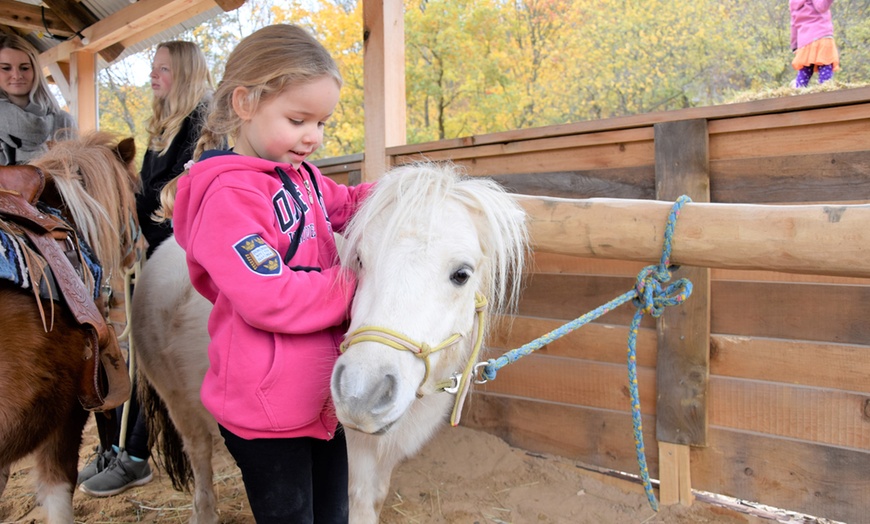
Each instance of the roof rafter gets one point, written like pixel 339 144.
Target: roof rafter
pixel 133 24
pixel 79 19
pixel 32 18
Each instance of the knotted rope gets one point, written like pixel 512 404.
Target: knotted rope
pixel 648 296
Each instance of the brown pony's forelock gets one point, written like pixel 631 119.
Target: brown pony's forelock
pixel 98 191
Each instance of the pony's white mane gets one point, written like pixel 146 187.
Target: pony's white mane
pixel 409 193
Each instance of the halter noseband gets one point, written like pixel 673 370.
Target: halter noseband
pixel 458 384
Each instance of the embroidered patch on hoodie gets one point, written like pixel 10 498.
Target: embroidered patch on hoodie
pixel 258 256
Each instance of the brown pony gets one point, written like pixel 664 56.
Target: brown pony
pixel 92 181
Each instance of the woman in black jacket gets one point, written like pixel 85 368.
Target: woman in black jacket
pixel 182 88
pixel 182 91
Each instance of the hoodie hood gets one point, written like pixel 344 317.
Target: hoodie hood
pixel 193 187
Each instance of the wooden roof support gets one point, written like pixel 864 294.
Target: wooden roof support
pixel 383 83
pixel 32 18
pixel 135 19
pixel 83 72
pixel 78 18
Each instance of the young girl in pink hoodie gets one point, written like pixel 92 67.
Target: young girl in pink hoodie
pixel 812 40
pixel 257 226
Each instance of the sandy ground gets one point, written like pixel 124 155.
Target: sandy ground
pixel 463 476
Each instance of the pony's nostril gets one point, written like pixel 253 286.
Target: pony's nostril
pixel 336 377
pixel 383 394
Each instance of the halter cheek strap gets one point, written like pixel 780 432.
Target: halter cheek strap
pixel 458 384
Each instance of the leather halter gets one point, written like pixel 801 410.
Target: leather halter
pixel 458 383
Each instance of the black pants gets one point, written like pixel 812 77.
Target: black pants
pixel 293 480
pixel 136 437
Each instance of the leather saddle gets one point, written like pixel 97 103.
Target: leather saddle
pixel 105 383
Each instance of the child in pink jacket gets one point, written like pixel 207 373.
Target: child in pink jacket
pixel 812 40
pixel 257 226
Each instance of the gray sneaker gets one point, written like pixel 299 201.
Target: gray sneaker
pixel 101 461
pixel 121 474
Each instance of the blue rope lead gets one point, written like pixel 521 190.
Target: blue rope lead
pixel 648 297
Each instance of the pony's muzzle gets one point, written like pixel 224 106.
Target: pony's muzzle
pixel 367 402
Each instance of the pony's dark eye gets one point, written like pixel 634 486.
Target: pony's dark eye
pixel 461 275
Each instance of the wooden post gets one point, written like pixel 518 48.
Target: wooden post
pixel 83 72
pixel 683 365
pixel 383 82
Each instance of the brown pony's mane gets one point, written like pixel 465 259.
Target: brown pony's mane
pixel 96 181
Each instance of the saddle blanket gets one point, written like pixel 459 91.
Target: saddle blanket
pixel 14 269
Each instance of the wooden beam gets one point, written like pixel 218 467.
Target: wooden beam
pixel 78 18
pixel 131 20
pixel 84 88
pixel 197 8
pixel 675 474
pixel 682 152
pixel 823 239
pixel 60 74
pixel 383 82
pixel 32 18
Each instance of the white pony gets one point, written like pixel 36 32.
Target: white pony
pixel 437 253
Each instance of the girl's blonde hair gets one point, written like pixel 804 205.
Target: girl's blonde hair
pixel 191 85
pixel 39 93
pixel 265 63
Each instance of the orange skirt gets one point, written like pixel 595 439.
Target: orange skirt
pixel 820 52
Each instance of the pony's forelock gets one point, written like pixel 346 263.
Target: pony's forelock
pixel 412 190
pixel 98 189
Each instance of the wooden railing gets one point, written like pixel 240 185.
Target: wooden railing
pixel 757 387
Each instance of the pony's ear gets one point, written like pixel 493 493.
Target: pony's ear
pixel 126 150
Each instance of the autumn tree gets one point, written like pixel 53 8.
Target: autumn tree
pixel 483 66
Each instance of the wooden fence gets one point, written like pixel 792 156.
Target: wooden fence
pixel 757 387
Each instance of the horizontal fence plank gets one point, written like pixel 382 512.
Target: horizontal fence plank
pixel 818 312
pixel 817 480
pixel 570 296
pixel 592 436
pixel 589 157
pixel 606 138
pixel 796 239
pixel 630 182
pixel 594 341
pixel 808 117
pixel 808 414
pixel 794 140
pixel 574 382
pixel 818 415
pixel 834 366
pixel 821 312
pixel 796 362
pixel 825 177
pixel 790 104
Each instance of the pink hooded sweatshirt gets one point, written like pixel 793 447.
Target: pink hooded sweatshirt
pixel 275 326
pixel 810 20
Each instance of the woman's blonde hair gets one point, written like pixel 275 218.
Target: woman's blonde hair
pixel 39 93
pixel 191 85
pixel 265 62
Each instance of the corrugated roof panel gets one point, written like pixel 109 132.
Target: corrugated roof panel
pixel 105 8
